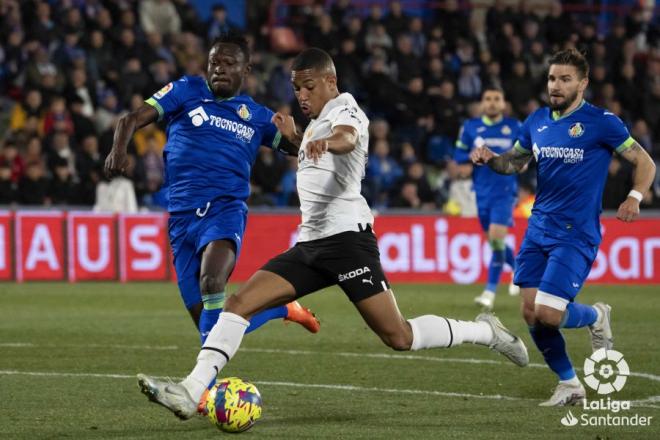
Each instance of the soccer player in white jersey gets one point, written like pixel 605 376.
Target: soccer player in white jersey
pixel 336 246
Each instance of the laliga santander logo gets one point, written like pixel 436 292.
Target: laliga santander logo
pixel 569 419
pixel 605 371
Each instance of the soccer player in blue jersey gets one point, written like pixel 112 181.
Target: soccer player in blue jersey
pixel 214 134
pixel 496 193
pixel 572 142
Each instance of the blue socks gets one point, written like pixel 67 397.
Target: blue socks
pixel 510 258
pixel 578 315
pixel 495 269
pixel 263 317
pixel 213 304
pixel 501 254
pixel 552 346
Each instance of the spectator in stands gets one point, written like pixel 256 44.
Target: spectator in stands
pixel 149 139
pixel 382 173
pixel 219 23
pixel 416 173
pixel 407 197
pixel 61 189
pixel 116 195
pixel 618 179
pixel 267 173
pixel 33 150
pixel 52 50
pixel 13 160
pixel 61 148
pixel 8 189
pixel 159 16
pixel 57 118
pixel 82 125
pixel 641 133
pixel 33 186
pixel 323 35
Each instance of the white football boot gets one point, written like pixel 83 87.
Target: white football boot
pixel 601 330
pixel 486 300
pixel 566 395
pixel 505 342
pixel 172 396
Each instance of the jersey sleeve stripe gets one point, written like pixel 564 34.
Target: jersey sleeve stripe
pixel 625 145
pixel 152 102
pixel 276 139
pixel 518 146
pixel 461 145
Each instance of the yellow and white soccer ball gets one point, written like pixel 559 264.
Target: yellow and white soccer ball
pixel 233 405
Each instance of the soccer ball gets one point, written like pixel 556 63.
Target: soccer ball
pixel 233 405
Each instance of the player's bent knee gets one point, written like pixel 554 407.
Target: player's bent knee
pixel 528 314
pixel 548 317
pixel 211 284
pixel 233 304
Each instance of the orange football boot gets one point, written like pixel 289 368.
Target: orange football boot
pixel 303 316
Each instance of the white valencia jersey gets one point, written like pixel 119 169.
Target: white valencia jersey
pixel 329 190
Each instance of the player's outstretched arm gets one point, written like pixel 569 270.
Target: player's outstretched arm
pixel 116 162
pixel 643 175
pixel 343 140
pixel 513 161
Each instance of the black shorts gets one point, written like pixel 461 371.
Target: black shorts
pixel 349 259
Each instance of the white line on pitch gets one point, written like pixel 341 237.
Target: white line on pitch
pixel 639 403
pixel 650 376
pixel 277 384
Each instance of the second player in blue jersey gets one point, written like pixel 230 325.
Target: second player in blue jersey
pixel 213 135
pixel 572 142
pixel 496 193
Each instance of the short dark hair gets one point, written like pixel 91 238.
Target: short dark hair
pixel 572 57
pixel 492 88
pixel 313 58
pixel 233 37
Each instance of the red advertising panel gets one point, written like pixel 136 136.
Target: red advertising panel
pixel 39 239
pixel 454 250
pixel 6 270
pixel 91 240
pixel 413 248
pixel 143 250
pixel 629 253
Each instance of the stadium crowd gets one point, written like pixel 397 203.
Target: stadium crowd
pixel 69 68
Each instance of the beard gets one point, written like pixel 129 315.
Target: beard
pixel 563 105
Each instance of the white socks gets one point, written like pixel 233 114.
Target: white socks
pixel 430 331
pixel 220 346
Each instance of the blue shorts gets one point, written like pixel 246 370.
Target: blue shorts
pixel 189 234
pixel 556 267
pixel 499 212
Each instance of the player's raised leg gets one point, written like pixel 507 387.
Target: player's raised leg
pixel 262 291
pixel 382 314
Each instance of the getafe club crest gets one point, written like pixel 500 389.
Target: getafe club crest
pixel 576 130
pixel 244 112
pixel 506 130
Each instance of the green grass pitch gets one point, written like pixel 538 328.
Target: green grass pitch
pixel 69 354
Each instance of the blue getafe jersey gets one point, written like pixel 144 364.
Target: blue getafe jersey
pixel 212 143
pixel 573 154
pixel 489 186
